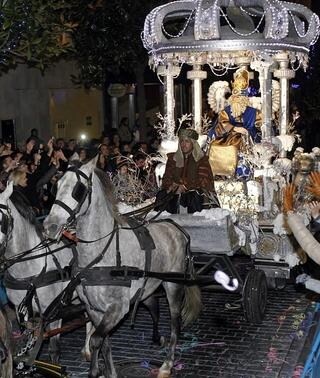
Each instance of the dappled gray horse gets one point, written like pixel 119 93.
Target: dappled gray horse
pixel 21 234
pixel 85 195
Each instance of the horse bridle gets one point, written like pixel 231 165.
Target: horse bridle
pixel 6 225
pixel 80 192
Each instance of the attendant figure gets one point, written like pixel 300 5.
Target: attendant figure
pixel 126 149
pixel 116 142
pixel 7 165
pixel 34 135
pixel 141 167
pixel 188 176
pixel 71 148
pixel 124 131
pixel 83 158
pixel 106 140
pixel 105 162
pixel 6 148
pixel 154 146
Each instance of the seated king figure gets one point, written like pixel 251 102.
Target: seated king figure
pixel 238 118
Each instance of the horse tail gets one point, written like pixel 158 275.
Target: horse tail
pixel 191 306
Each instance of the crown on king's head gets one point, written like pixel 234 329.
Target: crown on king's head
pixel 241 81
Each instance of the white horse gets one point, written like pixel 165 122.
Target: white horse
pixel 20 234
pixel 85 195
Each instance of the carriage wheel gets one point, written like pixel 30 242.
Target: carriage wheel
pixel 254 296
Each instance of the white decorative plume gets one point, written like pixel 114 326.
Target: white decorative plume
pixel 286 142
pixel 255 102
pixel 216 95
pixel 186 120
pixel 164 127
pixel 283 166
pixel 260 154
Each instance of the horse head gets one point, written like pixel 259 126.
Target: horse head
pixel 72 199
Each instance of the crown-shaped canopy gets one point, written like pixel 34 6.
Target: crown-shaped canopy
pixel 220 29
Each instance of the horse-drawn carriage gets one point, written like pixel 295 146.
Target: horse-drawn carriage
pixel 271 39
pixel 117 261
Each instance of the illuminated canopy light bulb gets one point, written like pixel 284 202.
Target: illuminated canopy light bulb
pixel 83 137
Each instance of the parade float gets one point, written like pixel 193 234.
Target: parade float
pixel 270 40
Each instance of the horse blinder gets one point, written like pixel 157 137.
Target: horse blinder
pixel 5 224
pixel 6 220
pixel 79 192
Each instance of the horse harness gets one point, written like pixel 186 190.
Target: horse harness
pixel 87 276
pixel 79 193
pixel 45 278
pixel 92 275
pixel 26 350
pixel 118 275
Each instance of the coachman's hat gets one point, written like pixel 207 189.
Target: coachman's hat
pixel 188 133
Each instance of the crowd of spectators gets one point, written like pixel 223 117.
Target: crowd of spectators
pixel 35 167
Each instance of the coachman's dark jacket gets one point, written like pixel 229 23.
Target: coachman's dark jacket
pixel 194 175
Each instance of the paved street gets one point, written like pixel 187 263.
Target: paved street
pixel 220 344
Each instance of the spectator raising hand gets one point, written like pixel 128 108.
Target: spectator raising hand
pixel 50 146
pixel 29 146
pixel 61 156
pixel 314 208
pixel 2 149
pixel 36 158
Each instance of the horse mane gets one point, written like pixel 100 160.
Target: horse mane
pixel 20 203
pixel 108 190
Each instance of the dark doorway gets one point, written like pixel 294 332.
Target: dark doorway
pixel 8 130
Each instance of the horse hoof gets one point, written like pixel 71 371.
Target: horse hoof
pixel 86 356
pixel 54 356
pixel 164 374
pixel 165 370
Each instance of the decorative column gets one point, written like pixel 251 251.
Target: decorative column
pixel 284 74
pixel 264 68
pixel 132 110
pixel 197 75
pixel 180 91
pixel 115 112
pixel 169 73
